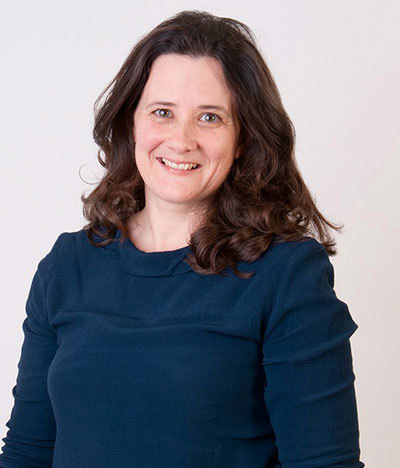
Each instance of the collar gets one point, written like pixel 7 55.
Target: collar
pixel 127 257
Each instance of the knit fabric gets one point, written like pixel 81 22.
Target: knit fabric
pixel 131 359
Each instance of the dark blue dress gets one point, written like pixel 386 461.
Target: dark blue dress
pixel 133 360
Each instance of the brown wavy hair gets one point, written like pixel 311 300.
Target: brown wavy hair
pixel 264 197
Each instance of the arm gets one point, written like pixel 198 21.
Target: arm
pixel 309 391
pixel 32 430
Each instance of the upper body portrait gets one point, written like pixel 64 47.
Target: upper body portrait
pixel 192 322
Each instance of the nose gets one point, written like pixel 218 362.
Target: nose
pixel 182 138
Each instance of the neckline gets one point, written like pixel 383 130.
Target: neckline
pixel 127 257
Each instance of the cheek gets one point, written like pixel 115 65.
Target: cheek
pixel 220 150
pixel 148 136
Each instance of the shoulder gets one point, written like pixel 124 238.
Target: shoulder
pixel 71 238
pixel 307 252
pixel 289 248
pixel 69 242
pixel 304 267
pixel 66 249
pixel 74 261
pixel 285 255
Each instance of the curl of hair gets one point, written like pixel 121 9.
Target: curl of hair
pixel 264 198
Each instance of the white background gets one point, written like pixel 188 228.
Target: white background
pixel 337 66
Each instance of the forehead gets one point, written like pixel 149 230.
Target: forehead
pixel 175 77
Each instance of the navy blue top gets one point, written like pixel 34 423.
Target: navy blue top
pixel 132 360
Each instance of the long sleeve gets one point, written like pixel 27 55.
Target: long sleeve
pixel 307 358
pixel 29 442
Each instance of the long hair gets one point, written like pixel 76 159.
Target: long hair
pixel 263 199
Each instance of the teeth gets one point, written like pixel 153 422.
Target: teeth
pixel 185 167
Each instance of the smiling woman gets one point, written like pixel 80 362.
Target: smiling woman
pixel 196 90
pixel 145 344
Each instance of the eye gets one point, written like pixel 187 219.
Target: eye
pixel 163 112
pixel 214 118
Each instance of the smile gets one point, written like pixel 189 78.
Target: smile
pixel 178 167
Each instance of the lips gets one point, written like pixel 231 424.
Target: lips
pixel 178 162
pixel 178 172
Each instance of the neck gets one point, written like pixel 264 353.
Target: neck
pixel 160 230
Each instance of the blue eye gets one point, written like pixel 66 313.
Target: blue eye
pixel 163 110
pixel 216 117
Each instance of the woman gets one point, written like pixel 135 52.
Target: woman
pixel 193 321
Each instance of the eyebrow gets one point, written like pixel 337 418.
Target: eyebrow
pixel 203 106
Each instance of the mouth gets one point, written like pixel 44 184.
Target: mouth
pixel 179 166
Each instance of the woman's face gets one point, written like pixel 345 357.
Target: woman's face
pixel 184 115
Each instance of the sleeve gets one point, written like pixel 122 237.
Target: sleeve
pixel 29 442
pixel 309 392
